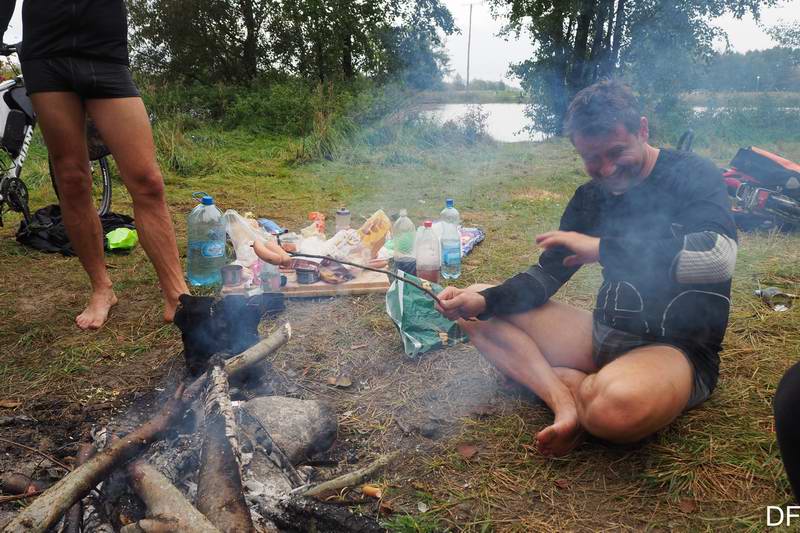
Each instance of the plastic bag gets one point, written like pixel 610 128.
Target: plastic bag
pixel 122 239
pixel 421 327
pixel 243 232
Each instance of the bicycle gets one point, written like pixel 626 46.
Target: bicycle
pixel 17 124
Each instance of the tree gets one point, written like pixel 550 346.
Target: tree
pixel 200 39
pixel 786 33
pixel 654 44
pixel 319 40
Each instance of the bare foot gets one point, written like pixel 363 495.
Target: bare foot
pixel 96 312
pixel 562 436
pixel 170 306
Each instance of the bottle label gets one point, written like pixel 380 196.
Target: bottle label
pixel 213 248
pixel 451 256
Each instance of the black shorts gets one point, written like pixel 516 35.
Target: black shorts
pixel 609 344
pixel 88 78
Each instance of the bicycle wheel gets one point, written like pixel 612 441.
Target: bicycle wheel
pixel 101 184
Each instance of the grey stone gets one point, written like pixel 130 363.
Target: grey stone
pixel 301 428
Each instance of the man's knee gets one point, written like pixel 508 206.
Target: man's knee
pixel 146 185
pixel 612 410
pixel 72 176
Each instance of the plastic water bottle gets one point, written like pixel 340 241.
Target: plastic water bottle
pixel 428 254
pixel 451 241
pixel 206 232
pixel 403 235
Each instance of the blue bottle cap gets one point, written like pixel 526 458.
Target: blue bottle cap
pixel 448 202
pixel 207 200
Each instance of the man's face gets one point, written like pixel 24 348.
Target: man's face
pixel 615 161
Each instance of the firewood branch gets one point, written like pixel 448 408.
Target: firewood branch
pixel 48 508
pixel 220 495
pixel 165 503
pixel 353 478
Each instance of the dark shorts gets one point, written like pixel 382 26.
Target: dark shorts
pixel 88 78
pixel 609 344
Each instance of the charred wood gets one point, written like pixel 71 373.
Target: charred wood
pixel 166 505
pixel 219 489
pixel 48 508
pixel 73 520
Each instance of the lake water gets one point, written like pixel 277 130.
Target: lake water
pixel 504 122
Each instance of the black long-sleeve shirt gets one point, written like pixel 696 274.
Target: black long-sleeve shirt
pixel 95 29
pixel 667 248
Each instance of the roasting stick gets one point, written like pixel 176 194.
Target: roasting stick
pixel 379 270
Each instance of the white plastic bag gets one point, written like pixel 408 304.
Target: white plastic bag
pixel 243 232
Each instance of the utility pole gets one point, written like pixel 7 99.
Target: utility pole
pixel 469 43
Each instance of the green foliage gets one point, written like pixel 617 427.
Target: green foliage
pixel 317 40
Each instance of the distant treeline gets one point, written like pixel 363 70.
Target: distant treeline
pixel 775 69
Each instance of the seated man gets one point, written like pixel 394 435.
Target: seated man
pixel 658 222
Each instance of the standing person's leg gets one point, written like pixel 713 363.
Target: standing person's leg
pixel 534 349
pixel 787 428
pixel 61 119
pixel 125 128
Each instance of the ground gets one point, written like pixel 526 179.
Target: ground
pixel 470 461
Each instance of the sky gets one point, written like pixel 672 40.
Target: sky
pixel 491 55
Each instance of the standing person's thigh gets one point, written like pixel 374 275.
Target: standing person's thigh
pixel 125 128
pixel 562 332
pixel 637 394
pixel 61 118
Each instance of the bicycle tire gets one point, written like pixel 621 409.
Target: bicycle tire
pixel 104 206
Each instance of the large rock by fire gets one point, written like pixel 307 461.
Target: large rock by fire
pixel 301 428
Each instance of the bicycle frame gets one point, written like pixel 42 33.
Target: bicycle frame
pixel 15 170
pixel 23 152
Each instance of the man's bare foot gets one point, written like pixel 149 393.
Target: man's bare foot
pixel 170 306
pixel 96 312
pixel 562 436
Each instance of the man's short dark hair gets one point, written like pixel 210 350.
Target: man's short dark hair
pixel 596 110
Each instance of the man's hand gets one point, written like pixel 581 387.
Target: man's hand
pixel 460 303
pixel 586 249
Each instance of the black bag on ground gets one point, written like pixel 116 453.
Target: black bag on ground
pixel 46 230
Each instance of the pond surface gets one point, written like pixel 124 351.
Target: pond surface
pixel 504 122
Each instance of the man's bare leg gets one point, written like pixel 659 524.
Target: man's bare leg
pixel 527 346
pixel 635 395
pixel 125 128
pixel 61 118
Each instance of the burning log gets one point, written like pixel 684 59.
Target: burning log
pixel 74 517
pixel 219 490
pixel 167 507
pixel 48 508
pixel 243 362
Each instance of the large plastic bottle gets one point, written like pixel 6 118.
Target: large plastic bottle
pixel 403 235
pixel 428 254
pixel 451 241
pixel 206 236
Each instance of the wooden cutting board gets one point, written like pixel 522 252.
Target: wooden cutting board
pixel 365 283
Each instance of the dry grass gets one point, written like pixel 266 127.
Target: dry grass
pixel 715 468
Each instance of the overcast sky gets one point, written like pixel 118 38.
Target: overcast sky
pixel 491 55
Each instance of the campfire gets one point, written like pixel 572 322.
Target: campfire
pixel 203 463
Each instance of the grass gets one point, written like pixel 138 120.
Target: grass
pixel 715 468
